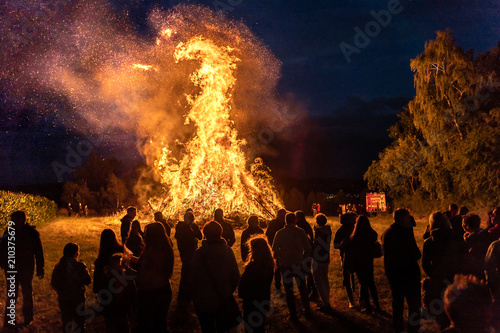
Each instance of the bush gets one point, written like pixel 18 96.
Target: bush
pixel 38 209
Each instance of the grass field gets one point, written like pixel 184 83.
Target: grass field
pixel 85 231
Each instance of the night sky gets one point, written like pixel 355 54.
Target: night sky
pixel 347 104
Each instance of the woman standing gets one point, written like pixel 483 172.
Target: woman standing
pixel 156 265
pixel 359 250
pixel 135 242
pixel 108 246
pixel 255 284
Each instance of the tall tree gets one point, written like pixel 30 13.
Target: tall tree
pixel 446 141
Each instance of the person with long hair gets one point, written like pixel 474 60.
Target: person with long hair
pixel 108 245
pixel 135 241
pixel 156 266
pixel 358 250
pixel 255 284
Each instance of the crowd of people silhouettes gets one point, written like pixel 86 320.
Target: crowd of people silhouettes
pixel 132 278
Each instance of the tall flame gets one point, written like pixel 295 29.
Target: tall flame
pixel 212 172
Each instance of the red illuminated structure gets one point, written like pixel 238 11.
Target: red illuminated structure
pixel 375 202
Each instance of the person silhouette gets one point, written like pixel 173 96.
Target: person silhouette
pixel 401 255
pixel 29 250
pixel 69 278
pixel 227 229
pixel 253 229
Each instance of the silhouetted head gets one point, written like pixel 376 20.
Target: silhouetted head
pixel 280 216
pixel 348 219
pixel 19 218
pixel 219 215
pixel 290 219
pixel 463 211
pixel 158 216
pixel 109 242
pixel 471 223
pixel 189 217
pixel 301 217
pixel 135 228
pixel 212 230
pixel 190 210
pixel 402 217
pixel 321 219
pixel 70 250
pixel 155 235
pixel 132 211
pixel 253 221
pixel 157 241
pixel 362 226
pixel 260 252
pixel 467 303
pixel 453 208
pixel 438 220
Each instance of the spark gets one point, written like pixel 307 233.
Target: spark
pixel 144 67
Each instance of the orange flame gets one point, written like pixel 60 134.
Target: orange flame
pixel 144 67
pixel 212 172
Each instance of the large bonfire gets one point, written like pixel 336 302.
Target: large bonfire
pixel 212 172
pixel 188 98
